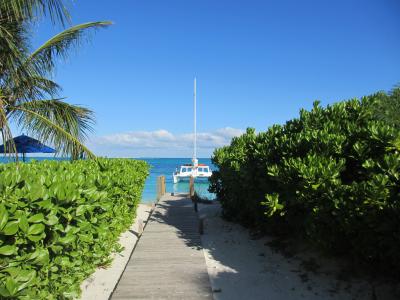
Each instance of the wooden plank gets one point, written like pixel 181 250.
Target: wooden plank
pixel 161 187
pixel 191 187
pixel 168 261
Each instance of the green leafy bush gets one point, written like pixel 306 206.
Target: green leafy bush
pixel 61 220
pixel 333 175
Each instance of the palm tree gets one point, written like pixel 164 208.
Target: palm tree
pixel 28 96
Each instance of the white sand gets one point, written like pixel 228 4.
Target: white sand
pixel 100 284
pixel 242 268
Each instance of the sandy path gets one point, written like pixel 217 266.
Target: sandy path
pixel 242 268
pixel 100 284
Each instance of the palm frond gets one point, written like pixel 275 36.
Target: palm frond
pixel 32 87
pixel 25 76
pixel 35 10
pixel 13 46
pixel 6 135
pixel 64 125
pixel 44 58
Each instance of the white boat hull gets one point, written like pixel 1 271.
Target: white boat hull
pixel 178 178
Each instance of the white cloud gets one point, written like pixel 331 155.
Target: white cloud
pixel 161 143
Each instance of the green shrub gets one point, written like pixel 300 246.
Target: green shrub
pixel 333 174
pixel 61 220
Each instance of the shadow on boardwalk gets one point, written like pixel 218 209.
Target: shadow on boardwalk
pixel 181 218
pixel 168 262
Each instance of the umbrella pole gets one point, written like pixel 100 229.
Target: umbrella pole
pixel 23 157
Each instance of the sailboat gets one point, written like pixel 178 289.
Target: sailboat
pixel 195 170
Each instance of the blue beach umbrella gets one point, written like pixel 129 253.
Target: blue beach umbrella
pixel 26 144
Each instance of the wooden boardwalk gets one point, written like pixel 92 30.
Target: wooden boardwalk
pixel 168 262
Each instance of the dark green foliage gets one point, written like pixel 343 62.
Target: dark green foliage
pixel 386 107
pixel 60 220
pixel 333 175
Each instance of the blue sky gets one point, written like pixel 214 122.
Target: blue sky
pixel 257 63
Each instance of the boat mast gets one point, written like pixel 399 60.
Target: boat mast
pixel 194 125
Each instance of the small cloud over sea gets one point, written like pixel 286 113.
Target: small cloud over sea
pixel 161 143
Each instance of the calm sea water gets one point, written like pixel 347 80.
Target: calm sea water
pixel 166 166
pixel 159 166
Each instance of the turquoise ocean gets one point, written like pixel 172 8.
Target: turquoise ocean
pixel 159 166
pixel 166 166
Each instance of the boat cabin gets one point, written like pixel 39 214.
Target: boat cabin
pixel 201 168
